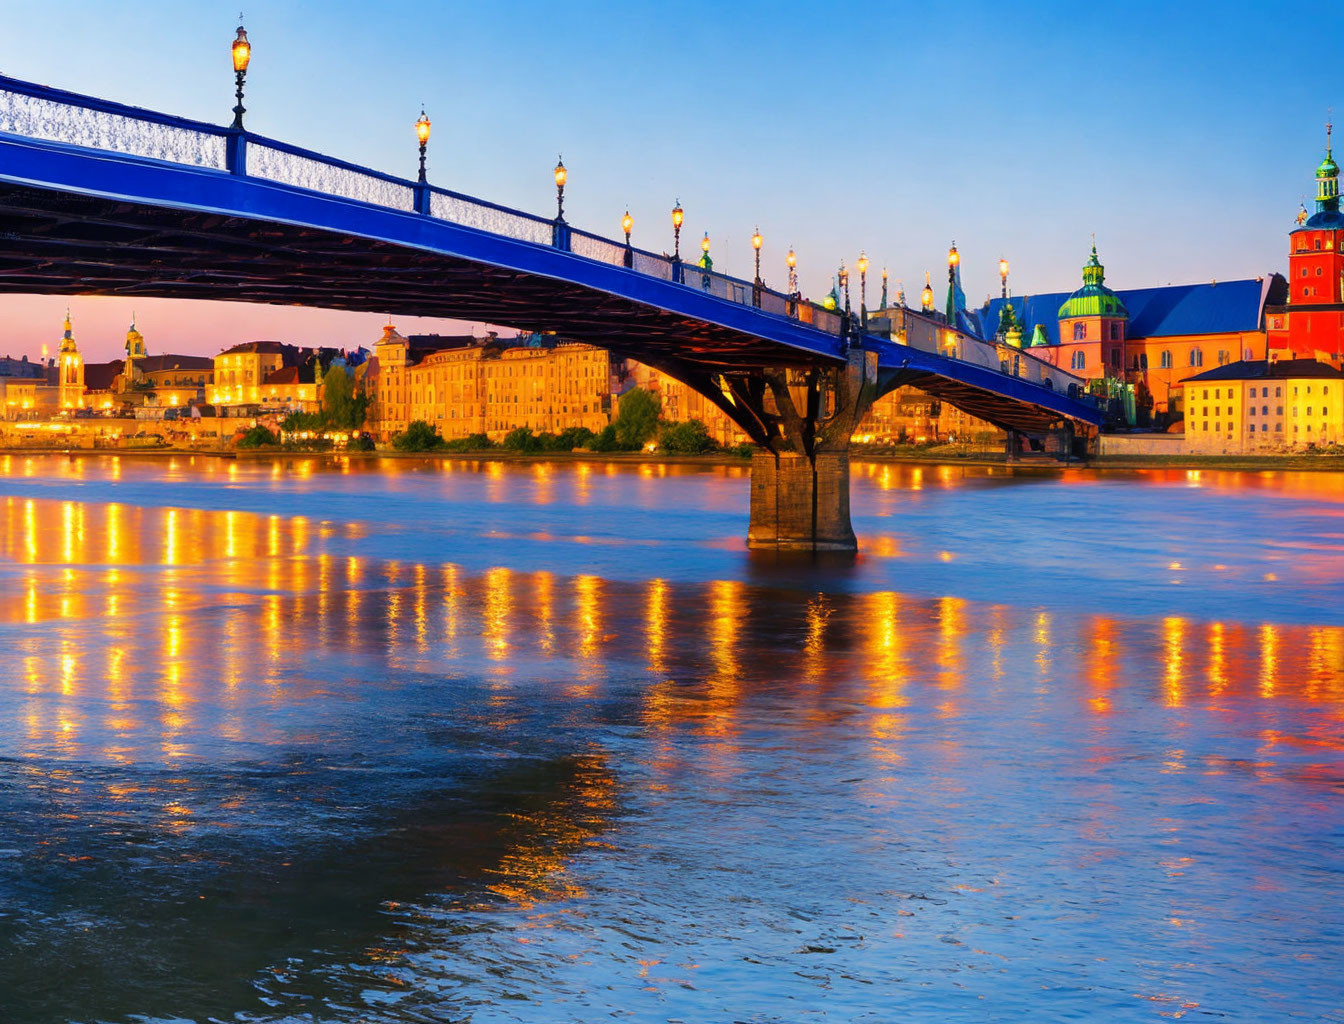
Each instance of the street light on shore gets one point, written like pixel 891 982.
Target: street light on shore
pixel 627 222
pixel 791 261
pixel 422 133
pixel 242 54
pixel 1003 276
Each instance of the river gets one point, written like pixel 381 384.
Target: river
pixel 398 741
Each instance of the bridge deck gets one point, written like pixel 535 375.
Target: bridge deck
pixel 81 215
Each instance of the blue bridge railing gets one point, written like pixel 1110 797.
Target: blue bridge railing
pixel 55 115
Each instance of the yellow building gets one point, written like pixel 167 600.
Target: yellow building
pixel 547 389
pixel 1248 406
pixel 467 385
pixel 19 396
pixel 241 371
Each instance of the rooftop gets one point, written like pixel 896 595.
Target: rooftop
pixel 1168 311
pixel 1254 369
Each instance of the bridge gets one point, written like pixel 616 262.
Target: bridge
pixel 100 198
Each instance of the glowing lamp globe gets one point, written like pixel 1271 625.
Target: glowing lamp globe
pixel 242 50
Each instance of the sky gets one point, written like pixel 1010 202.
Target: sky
pixel 1183 136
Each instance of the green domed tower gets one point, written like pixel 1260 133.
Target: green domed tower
pixel 1094 315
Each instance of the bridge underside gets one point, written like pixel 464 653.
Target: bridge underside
pixel 63 243
pixel 793 389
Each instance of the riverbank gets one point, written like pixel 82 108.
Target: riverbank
pixel 928 457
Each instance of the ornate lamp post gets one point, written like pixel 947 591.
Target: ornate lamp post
pixel 926 296
pixel 422 133
pixel 863 285
pixel 561 176
pixel 756 242
pixel 791 261
pixel 628 222
pixel 844 286
pixel 1003 277
pixel 953 261
pixel 242 53
pixel 678 215
pixel 884 288
pixel 705 260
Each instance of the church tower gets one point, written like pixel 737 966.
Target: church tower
pixel 135 351
pixel 1312 324
pixel 70 370
pixel 1095 315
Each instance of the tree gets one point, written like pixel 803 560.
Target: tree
pixel 637 418
pixel 688 438
pixel 521 439
pixel 419 436
pixel 256 437
pixel 572 437
pixel 339 402
pixel 605 441
pixel 470 443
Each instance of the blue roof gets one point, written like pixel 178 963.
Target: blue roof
pixel 1153 312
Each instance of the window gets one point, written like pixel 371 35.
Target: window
pixel 1278 393
pixel 1166 359
pixel 1264 410
pixel 1079 332
pixel 1251 411
pixel 1206 392
pixel 1115 332
pixel 1217 392
pixel 1318 249
pixel 1318 271
pixel 1115 358
pixel 1222 357
pixel 1304 272
pixel 1252 428
pixel 1196 357
pixel 1278 409
pixel 1079 361
pixel 1278 428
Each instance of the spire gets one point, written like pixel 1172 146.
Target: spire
pixel 68 338
pixel 1327 177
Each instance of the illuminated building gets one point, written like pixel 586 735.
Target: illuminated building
pixel 1147 338
pixel 1248 406
pixel 468 385
pixel 255 376
pixel 1311 323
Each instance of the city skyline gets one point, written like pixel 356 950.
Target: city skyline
pixel 1228 150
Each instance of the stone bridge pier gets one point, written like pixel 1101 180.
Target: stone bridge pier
pixel 802 418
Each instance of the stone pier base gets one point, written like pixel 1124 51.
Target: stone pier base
pixel 800 504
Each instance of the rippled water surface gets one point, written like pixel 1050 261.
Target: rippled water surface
pixel 403 742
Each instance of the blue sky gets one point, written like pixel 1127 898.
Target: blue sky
pixel 1182 135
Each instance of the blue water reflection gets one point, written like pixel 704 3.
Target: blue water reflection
pixel 318 741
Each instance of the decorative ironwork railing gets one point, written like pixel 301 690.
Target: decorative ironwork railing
pixel 55 115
